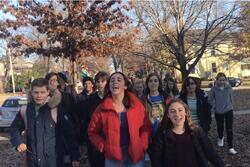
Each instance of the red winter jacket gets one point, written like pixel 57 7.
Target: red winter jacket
pixel 104 129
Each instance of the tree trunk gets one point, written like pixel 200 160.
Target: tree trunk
pixel 12 73
pixel 74 74
pixel 48 64
pixel 122 65
pixel 63 62
pixel 184 74
pixel 115 63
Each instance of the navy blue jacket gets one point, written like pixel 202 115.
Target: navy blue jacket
pixel 47 141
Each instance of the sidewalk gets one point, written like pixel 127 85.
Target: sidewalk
pixel 241 112
pixel 238 112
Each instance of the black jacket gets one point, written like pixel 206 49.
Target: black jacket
pixel 83 96
pixel 203 109
pixel 85 110
pixel 46 140
pixel 162 149
pixel 88 109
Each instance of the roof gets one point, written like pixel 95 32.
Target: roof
pixel 17 97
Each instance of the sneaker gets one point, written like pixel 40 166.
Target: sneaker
pixel 232 151
pixel 221 142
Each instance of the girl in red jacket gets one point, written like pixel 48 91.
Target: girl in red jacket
pixel 120 126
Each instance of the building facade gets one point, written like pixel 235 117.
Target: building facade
pixel 224 58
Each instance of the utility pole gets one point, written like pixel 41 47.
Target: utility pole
pixel 11 72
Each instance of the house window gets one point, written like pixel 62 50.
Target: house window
pixel 214 68
pixel 245 67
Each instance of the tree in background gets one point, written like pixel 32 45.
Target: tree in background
pixel 184 29
pixel 242 41
pixel 70 29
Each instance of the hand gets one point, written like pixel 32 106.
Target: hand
pixel 101 148
pixel 75 163
pixel 22 148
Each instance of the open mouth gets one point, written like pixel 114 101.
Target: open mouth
pixel 115 87
pixel 178 119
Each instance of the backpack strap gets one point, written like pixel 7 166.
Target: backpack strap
pixel 23 110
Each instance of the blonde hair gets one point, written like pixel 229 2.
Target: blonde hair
pixel 166 123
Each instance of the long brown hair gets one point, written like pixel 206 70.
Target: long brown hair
pixel 166 123
pixel 221 74
pixel 126 100
pixel 147 90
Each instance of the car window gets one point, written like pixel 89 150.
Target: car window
pixel 14 103
pixel 11 103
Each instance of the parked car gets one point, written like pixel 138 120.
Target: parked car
pixel 233 81
pixel 9 109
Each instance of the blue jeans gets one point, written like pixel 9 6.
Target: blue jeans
pixel 126 161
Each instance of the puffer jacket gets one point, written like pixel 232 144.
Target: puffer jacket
pixel 104 129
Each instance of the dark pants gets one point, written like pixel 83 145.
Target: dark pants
pixel 96 158
pixel 228 117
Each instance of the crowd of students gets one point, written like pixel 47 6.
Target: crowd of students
pixel 123 123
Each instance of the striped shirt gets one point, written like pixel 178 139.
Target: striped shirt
pixel 192 104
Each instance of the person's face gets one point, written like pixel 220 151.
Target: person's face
pixel 221 81
pixel 191 86
pixel 40 94
pixel 61 82
pixel 117 84
pixel 139 88
pixel 153 83
pixel 53 82
pixel 170 85
pixel 100 84
pixel 88 86
pixel 177 114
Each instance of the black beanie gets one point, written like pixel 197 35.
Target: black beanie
pixel 63 76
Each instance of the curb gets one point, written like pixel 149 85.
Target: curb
pixel 242 112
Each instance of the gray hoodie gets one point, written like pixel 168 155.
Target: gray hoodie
pixel 221 100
